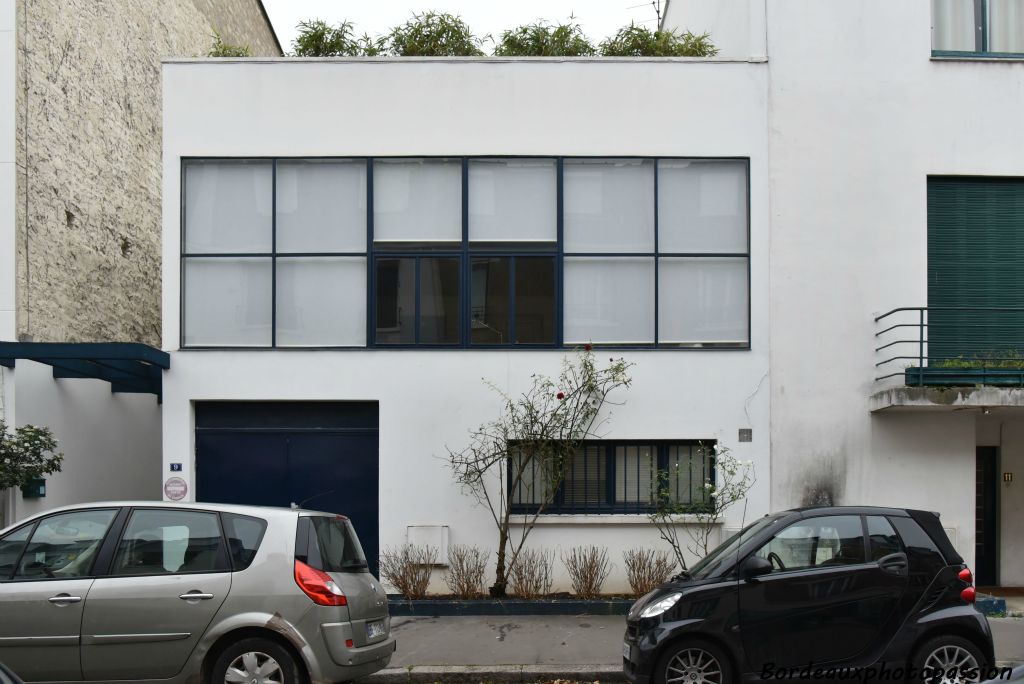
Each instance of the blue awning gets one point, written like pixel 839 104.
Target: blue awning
pixel 127 366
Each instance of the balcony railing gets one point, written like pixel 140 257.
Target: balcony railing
pixel 950 346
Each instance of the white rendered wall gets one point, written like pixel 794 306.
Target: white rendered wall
pixel 430 399
pixel 860 117
pixel 110 442
pixel 737 27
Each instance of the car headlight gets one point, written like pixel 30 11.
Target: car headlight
pixel 660 606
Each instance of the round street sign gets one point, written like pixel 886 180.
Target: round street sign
pixel 175 489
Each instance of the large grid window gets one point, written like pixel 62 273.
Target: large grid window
pixel 465 253
pixel 986 28
pixel 620 477
pixel 274 253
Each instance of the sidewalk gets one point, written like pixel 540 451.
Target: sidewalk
pixel 543 648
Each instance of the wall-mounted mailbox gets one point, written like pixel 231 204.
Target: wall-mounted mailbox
pixel 34 489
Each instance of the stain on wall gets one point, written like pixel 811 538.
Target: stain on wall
pixel 824 482
pixel 88 148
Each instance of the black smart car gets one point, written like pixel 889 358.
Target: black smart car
pixel 859 593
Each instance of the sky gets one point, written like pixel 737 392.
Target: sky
pixel 599 18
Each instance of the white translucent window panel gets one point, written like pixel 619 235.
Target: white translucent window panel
pixel 702 206
pixel 609 300
pixel 228 206
pixel 228 302
pixel 321 302
pixel 635 473
pixel 435 536
pixel 321 206
pixel 703 300
pixel 953 25
pixel 1006 26
pixel 417 200
pixel 609 205
pixel 513 200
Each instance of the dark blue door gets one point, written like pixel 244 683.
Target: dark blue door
pixel 316 455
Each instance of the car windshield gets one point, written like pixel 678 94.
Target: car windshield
pixel 726 552
pixel 336 545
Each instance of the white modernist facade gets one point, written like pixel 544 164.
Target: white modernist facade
pixel 383 234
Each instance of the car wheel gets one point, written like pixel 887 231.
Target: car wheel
pixel 693 661
pixel 947 653
pixel 255 661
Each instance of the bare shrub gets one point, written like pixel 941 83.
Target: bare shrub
pixel 588 568
pixel 531 576
pixel 646 569
pixel 408 568
pixel 466 567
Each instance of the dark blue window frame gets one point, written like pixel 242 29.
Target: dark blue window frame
pixel 606 458
pixel 465 253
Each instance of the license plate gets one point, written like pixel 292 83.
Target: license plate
pixel 625 651
pixel 375 629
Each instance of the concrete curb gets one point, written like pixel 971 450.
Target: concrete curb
pixel 473 674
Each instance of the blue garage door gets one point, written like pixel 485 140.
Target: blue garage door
pixel 318 455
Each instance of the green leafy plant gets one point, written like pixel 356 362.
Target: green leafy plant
pixel 430 34
pixel 526 449
pixel 734 480
pixel 541 39
pixel 1010 358
pixel 222 49
pixel 639 41
pixel 28 453
pixel 317 38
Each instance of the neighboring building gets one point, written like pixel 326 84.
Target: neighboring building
pixel 896 172
pixel 733 226
pixel 80 194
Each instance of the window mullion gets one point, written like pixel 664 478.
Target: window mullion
pixel 273 253
pixel 609 469
pixel 416 297
pixel 511 300
pixel 656 312
pixel 560 253
pixel 371 266
pixel 465 267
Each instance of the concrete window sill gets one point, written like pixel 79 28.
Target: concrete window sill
pixel 599 519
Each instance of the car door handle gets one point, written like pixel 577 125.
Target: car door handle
pixel 196 596
pixel 62 599
pixel 894 563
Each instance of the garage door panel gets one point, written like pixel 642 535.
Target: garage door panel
pixel 319 455
pixel 242 468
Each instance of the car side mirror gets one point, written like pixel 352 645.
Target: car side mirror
pixel 755 566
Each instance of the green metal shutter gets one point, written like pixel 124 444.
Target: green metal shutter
pixel 975 259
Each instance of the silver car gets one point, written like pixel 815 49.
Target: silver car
pixel 189 592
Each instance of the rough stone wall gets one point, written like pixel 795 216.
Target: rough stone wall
pixel 88 145
pixel 240 23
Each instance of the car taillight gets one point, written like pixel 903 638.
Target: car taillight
pixel 966 576
pixel 318 586
pixel 968 595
